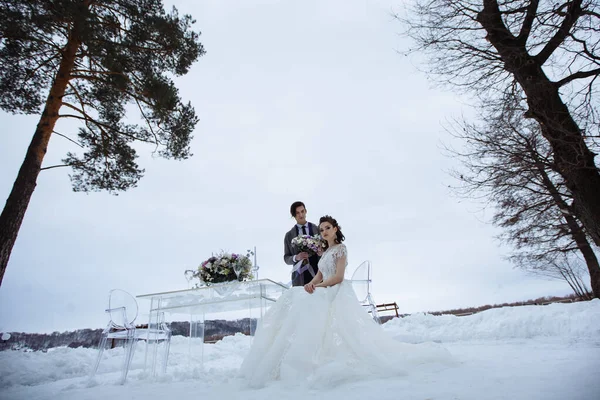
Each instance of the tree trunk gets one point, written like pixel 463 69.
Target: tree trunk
pixel 574 161
pixel 576 231
pixel 20 195
pixel 588 254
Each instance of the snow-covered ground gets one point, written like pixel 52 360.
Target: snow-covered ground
pixel 533 352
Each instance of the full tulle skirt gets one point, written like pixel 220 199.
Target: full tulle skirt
pixel 328 337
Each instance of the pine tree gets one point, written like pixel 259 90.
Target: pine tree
pixel 91 60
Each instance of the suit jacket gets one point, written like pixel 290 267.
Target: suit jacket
pixel 290 251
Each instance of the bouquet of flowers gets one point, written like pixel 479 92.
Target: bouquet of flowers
pixel 225 267
pixel 310 244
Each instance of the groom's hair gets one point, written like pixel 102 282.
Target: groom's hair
pixel 295 205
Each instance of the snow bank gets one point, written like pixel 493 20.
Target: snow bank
pixel 571 321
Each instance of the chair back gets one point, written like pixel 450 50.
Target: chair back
pixel 361 281
pixel 122 307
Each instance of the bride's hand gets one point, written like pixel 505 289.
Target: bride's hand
pixel 309 287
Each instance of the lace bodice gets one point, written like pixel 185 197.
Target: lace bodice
pixel 329 259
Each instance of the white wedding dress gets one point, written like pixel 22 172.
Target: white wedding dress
pixel 327 337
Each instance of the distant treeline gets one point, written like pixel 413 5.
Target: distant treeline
pixel 214 330
pixel 536 302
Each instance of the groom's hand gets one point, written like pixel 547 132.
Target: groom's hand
pixel 302 256
pixel 309 287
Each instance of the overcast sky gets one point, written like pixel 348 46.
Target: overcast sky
pixel 304 100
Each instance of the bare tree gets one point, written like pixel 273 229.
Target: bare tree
pixel 507 161
pixel 548 51
pixel 565 268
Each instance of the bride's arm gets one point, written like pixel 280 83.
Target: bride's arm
pixel 310 286
pixel 340 268
pixel 318 278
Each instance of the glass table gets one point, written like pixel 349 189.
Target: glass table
pixel 216 298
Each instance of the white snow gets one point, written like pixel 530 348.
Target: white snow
pixel 533 352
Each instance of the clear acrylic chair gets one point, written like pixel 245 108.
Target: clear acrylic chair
pixel 361 283
pixel 123 311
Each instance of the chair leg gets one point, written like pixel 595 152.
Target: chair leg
pixel 129 351
pixel 101 347
pixel 165 360
pixel 376 315
pixel 146 340
pixel 373 307
pixel 166 353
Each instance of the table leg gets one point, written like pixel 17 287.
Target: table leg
pixel 196 335
pixel 152 338
pixel 263 302
pixel 251 325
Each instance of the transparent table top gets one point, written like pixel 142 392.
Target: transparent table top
pixel 219 297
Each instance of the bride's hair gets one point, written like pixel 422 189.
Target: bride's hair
pixel 339 235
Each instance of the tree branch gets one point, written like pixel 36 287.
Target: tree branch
pixel 578 75
pixel 571 17
pixel 68 138
pixel 102 126
pixel 528 23
pixel 55 166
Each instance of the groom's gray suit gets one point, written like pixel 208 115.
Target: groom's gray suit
pixel 290 252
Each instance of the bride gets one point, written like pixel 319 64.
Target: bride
pixel 321 334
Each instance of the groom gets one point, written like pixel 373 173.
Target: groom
pixel 291 255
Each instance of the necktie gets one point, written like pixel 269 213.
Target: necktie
pixel 304 229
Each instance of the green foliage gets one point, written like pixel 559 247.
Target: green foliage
pixel 128 52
